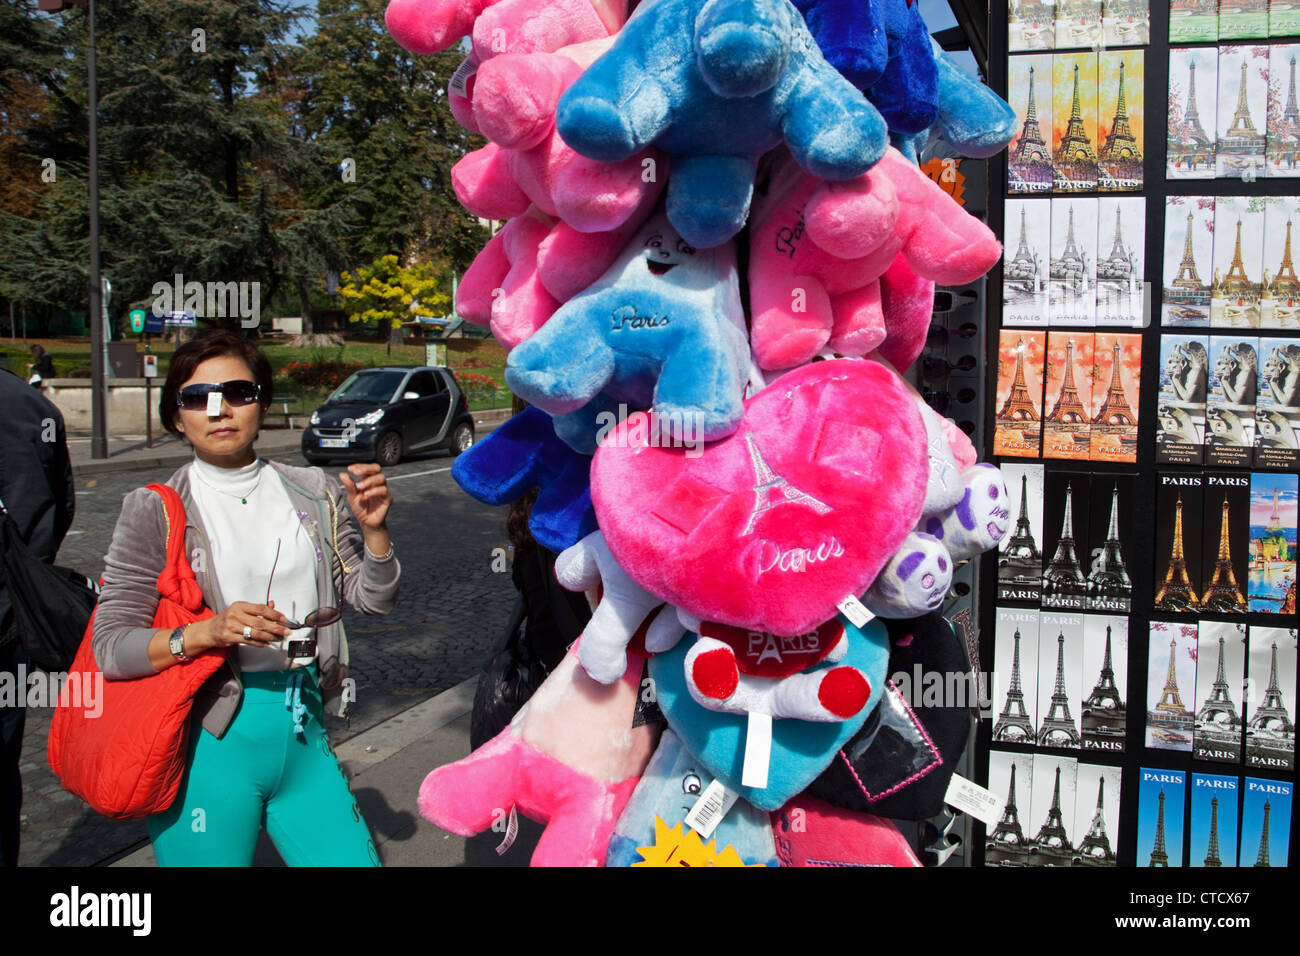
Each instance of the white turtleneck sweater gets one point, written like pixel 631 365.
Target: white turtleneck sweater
pixel 246 511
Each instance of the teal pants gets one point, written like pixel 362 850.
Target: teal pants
pixel 263 773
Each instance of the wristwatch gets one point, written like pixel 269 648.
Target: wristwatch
pixel 176 644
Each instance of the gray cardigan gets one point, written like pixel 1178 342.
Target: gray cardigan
pixel 137 554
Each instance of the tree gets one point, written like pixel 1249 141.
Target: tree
pixel 387 294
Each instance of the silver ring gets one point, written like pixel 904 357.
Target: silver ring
pixel 248 633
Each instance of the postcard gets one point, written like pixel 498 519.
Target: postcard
pixel 1162 796
pixel 1116 387
pixel 1051 817
pixel 1025 262
pixel 1220 676
pixel 1068 396
pixel 1272 543
pixel 1189 261
pixel 1029 155
pixel 1018 423
pixel 1060 679
pixel 1074 123
pixel 1121 257
pixel 1105 664
pixel 1266 822
pixel 1065 518
pixel 1179 501
pixel 1271 699
pixel 1193 113
pixel 1282 152
pixel 1230 403
pixel 1277 405
pixel 1171 673
pixel 1120 120
pixel 1096 815
pixel 1238 282
pixel 1011 776
pixel 1242 111
pixel 1015 653
pixel 1020 555
pixel 1110 536
pixel 1031 25
pixel 1214 820
pixel 1184 380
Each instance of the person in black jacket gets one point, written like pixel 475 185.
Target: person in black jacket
pixel 37 490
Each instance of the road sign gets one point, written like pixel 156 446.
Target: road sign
pixel 137 320
pixel 180 317
pixel 150 366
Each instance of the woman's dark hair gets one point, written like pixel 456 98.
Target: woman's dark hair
pixel 38 351
pixel 197 351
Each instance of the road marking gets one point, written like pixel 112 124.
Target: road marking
pixel 418 474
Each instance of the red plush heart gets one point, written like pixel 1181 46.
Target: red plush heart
pixel 770 528
pixel 769 655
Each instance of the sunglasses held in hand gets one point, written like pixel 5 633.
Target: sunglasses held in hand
pixel 194 398
pixel 321 617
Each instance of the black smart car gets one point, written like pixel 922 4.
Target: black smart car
pixel 382 414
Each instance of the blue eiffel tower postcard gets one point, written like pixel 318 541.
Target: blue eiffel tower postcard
pixel 1162 807
pixel 1214 820
pixel 1266 822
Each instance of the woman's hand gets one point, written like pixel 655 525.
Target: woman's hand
pixel 368 496
pixel 265 626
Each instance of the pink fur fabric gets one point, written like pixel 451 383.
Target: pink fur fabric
pixel 811 832
pixel 503 289
pixel 820 251
pixel 770 528
pixel 570 759
pixel 501 26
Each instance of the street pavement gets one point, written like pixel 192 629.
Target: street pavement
pixel 415 668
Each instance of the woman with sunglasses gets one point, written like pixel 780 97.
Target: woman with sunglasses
pixel 275 554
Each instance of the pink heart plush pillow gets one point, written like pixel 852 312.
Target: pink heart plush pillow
pixel 772 527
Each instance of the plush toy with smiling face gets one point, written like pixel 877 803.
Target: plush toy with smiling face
pixel 663 327
pixel 715 84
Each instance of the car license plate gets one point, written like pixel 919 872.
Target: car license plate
pixel 334 443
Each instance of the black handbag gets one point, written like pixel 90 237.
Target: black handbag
pixel 51 605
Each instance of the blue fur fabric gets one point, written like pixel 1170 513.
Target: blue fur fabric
pixel 525 453
pixel 973 119
pixel 662 328
pixel 851 34
pixel 715 84
pixel 801 749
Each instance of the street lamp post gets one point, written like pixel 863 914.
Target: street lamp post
pixel 98 396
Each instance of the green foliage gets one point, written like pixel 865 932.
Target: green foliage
pixel 387 294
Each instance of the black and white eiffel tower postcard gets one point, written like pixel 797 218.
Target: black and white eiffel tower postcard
pixel 1051 812
pixel 1121 120
pixel 1277 405
pixel 1104 718
pixel 1282 152
pixel 1220 676
pixel 1110 543
pixel 1230 404
pixel 1060 679
pixel 1171 682
pixel 1025 259
pixel 1180 414
pixel 1188 262
pixel 1096 815
pixel 1279 306
pixel 1271 699
pixel 1015 668
pixel 1180 501
pixel 1225 543
pixel 1241 134
pixel 1121 261
pixel 1162 808
pixel 1266 822
pixel 1011 777
pixel 1072 296
pixel 1192 111
pixel 1214 820
pixel 1020 554
pixel 1065 524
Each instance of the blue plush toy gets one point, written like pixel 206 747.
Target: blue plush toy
pixel 663 327
pixel 716 84
pixel 524 453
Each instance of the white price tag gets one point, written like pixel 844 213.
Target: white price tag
pixel 758 751
pixel 984 805
pixel 855 611
pixel 458 85
pixel 710 808
pixel 214 404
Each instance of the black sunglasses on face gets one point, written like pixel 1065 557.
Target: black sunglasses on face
pixel 194 398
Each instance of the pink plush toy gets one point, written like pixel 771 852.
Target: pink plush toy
pixel 501 26
pixel 570 759
pixel 821 252
pixel 502 288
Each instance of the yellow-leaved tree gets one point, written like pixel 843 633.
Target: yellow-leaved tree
pixel 388 294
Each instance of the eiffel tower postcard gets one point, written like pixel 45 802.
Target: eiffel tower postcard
pixel 1243 20
pixel 1271 699
pixel 1230 403
pixel 1266 822
pixel 1192 111
pixel 1125 23
pixel 1031 25
pixel 1272 543
pixel 1214 820
pixel 1018 421
pixel 1078 24
pixel 1116 389
pixel 1104 717
pixel 1110 539
pixel 1193 21
pixel 1184 384
pixel 1238 282
pixel 1283 18
pixel 1020 554
pixel 1065 518
pixel 1179 500
pixel 1277 405
pixel 1121 261
pixel 1072 294
pixel 1011 776
pixel 1060 679
pixel 1015 664
pixel 1068 376
pixel 1282 153
pixel 1225 543
pixel 1024 262
pixel 1029 156
pixel 1189 261
pixel 1121 122
pixel 1279 306
pixel 1074 123
pixel 1171 673
pixel 1096 815
pixel 1242 111
pixel 1051 811
pixel 1220 676
pixel 1162 806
